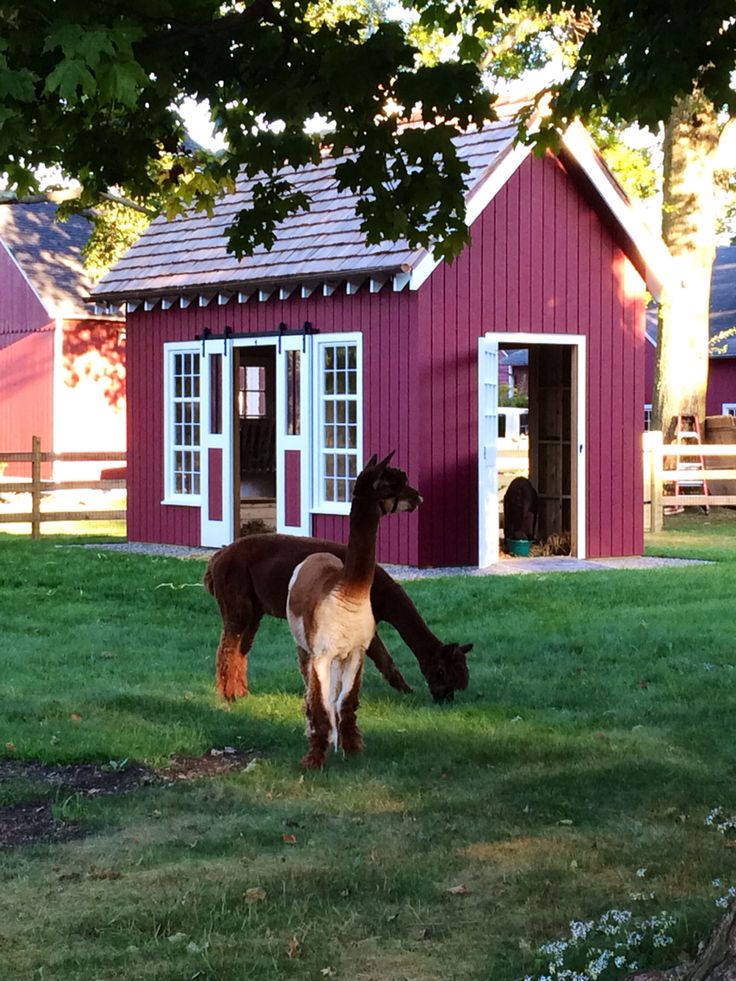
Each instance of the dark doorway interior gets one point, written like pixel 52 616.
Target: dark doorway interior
pixel 551 437
pixel 537 441
pixel 255 407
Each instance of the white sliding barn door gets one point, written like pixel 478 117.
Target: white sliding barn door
pixel 216 443
pixel 293 429
pixel 487 452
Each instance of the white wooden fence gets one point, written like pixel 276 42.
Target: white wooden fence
pixel 667 465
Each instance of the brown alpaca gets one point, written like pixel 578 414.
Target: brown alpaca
pixel 329 612
pixel 251 577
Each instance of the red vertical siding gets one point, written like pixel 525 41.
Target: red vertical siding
pixel 389 337
pixel 721 384
pixel 26 396
pixel 293 488
pixel 26 365
pixel 214 481
pixel 540 261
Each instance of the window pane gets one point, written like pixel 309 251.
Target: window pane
pixel 293 393
pixel 339 429
pixel 184 434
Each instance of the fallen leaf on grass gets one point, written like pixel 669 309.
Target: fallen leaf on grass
pixel 10 747
pixel 294 947
pixel 458 890
pixel 327 972
pixel 255 895
pixel 75 717
pixel 288 839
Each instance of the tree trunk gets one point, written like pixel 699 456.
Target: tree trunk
pixel 688 228
pixel 716 962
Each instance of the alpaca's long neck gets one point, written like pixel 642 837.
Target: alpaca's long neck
pixel 360 557
pixel 392 604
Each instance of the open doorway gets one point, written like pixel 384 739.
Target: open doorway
pixel 255 442
pixel 535 430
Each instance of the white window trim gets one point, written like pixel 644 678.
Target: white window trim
pixel 170 495
pixel 647 408
pixel 319 505
pixel 728 408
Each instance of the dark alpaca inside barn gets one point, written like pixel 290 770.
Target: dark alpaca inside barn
pixel 520 503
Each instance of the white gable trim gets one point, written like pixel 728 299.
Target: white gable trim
pixel 501 170
pixel 654 252
pixel 579 144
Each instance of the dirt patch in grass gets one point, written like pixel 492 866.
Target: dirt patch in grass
pixel 55 791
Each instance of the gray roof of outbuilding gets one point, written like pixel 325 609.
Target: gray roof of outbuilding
pixel 723 303
pixel 190 253
pixel 49 253
pixel 722 306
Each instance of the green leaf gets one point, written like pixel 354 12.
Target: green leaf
pixel 71 79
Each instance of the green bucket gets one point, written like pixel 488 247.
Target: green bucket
pixel 518 546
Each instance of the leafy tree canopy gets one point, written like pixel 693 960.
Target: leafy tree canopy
pixel 93 89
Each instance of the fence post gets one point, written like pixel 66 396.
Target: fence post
pixel 36 488
pixel 656 477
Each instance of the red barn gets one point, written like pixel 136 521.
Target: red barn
pixel 62 374
pixel 265 383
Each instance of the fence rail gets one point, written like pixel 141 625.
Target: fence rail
pixel 37 486
pixel 663 466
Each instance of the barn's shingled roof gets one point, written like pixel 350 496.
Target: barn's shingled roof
pixel 190 252
pixel 189 255
pixel 49 254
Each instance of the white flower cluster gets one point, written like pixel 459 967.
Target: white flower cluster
pixel 599 950
pixel 727 893
pixel 716 819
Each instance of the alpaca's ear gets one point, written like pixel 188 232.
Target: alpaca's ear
pixel 372 462
pixel 384 463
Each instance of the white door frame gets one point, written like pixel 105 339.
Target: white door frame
pixel 215 532
pixel 488 503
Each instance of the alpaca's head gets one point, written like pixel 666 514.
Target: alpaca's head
pixel 386 487
pixel 449 672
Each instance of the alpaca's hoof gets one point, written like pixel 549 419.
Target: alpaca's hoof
pixel 312 761
pixel 233 692
pixel 352 745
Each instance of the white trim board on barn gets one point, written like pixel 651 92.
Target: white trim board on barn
pixel 488 489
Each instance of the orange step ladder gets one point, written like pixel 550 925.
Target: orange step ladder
pixel 688 433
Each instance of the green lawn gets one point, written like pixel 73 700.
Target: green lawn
pixel 574 777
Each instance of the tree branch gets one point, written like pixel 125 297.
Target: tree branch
pixel 58 195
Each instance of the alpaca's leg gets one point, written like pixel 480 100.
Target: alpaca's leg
pixel 303 659
pixel 351 740
pixel 231 662
pixel 318 722
pixel 385 663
